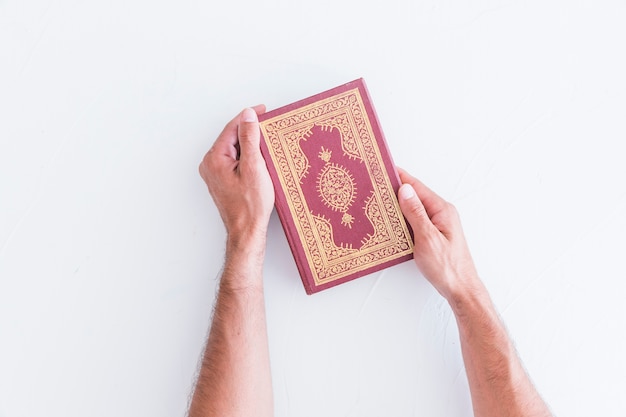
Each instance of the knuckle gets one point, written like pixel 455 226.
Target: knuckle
pixel 209 158
pixel 207 165
pixel 245 131
pixel 417 210
pixel 203 166
pixel 244 136
pixel 248 133
pixel 449 211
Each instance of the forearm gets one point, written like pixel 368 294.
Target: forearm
pixel 498 382
pixel 235 376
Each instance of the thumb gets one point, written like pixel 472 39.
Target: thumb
pixel 249 134
pixel 413 209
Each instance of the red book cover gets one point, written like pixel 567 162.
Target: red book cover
pixel 336 186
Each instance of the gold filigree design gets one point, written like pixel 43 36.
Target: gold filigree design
pixel 336 187
pixel 347 219
pixel 375 216
pixel 325 233
pixel 325 154
pixel 300 161
pixel 390 239
pixel 348 140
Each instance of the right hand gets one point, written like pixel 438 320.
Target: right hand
pixel 237 177
pixel 440 252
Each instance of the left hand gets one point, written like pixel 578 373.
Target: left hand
pixel 237 177
pixel 440 250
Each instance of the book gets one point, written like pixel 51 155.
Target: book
pixel 336 186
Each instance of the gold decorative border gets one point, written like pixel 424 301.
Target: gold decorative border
pixel 346 112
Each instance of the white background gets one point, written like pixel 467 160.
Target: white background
pixel 110 245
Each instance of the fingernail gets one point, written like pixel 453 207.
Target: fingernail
pixel 248 115
pixel 406 192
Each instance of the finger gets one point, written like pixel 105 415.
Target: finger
pixel 227 142
pixel 249 134
pixel 232 125
pixel 431 201
pixel 414 211
pixel 259 109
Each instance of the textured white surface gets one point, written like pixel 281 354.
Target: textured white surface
pixel 110 245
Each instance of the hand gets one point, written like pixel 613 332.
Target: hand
pixel 237 177
pixel 440 252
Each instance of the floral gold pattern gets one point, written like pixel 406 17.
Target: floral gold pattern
pixel 336 187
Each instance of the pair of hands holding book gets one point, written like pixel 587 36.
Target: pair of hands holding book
pixel 236 358
pixel 237 177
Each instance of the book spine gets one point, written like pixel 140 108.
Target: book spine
pixel 283 215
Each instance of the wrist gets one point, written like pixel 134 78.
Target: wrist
pixel 243 264
pixel 248 243
pixel 469 296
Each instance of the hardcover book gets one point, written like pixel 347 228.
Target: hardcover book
pixel 336 186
